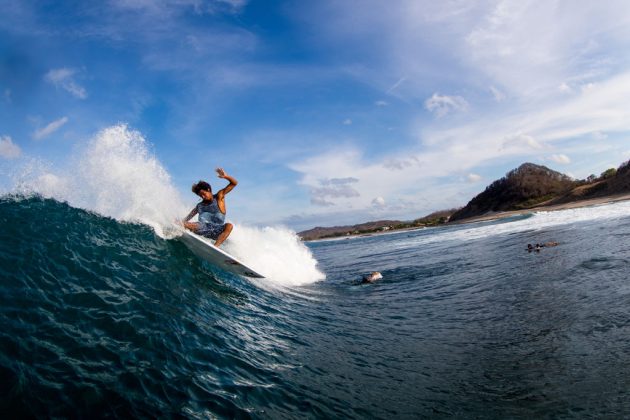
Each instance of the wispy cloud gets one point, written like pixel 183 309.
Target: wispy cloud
pixel 395 86
pixel 441 105
pixel 64 78
pixel 8 149
pixel 170 7
pixel 50 128
pixel 400 164
pixel 331 189
pixel 561 159
pixel 472 178
pixel 520 140
pixel 498 95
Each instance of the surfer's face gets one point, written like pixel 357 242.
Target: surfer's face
pixel 204 194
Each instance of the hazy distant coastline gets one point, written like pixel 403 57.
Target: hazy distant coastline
pixel 526 189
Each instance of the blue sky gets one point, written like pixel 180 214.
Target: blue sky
pixel 327 112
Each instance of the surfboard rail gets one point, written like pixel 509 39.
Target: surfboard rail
pixel 203 248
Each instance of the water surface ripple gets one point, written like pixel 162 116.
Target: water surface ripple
pixel 106 319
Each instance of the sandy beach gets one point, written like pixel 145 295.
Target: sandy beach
pixel 564 206
pixel 495 216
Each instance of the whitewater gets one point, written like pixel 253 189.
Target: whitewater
pixel 105 314
pixel 116 175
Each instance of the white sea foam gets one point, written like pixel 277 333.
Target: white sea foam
pixel 539 221
pixel 116 175
pixel 276 252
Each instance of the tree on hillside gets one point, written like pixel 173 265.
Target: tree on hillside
pixel 523 187
pixel 608 173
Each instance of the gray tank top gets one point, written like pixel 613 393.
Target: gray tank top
pixel 210 213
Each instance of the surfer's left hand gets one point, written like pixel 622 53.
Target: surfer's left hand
pixel 221 173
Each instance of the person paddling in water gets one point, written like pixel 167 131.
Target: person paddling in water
pixel 211 210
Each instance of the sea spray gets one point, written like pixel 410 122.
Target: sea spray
pixel 115 175
pixel 276 252
pixel 129 183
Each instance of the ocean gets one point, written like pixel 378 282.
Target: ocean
pixel 104 314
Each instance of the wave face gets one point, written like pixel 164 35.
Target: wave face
pixel 103 318
pixel 105 313
pixel 106 317
pixel 115 175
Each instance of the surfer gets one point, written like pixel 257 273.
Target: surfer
pixel 211 210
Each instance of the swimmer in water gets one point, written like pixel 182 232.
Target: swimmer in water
pixel 538 247
pixel 372 277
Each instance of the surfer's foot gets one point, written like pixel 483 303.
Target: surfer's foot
pixel 223 236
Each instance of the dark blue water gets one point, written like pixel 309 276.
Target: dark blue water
pixel 106 319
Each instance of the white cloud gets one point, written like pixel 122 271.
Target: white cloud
pixel 472 178
pixel 378 202
pixel 64 78
pixel 561 159
pixel 7 96
pixel 50 128
pixel 441 105
pixel 381 103
pixel 565 88
pixel 520 140
pixel 8 149
pixel 347 121
pixel 599 136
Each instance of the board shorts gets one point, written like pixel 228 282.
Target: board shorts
pixel 210 230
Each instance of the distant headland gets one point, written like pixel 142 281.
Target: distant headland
pixel 527 188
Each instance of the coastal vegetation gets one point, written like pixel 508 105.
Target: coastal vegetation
pixel 434 219
pixel 527 186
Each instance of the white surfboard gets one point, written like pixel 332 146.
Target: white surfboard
pixel 202 247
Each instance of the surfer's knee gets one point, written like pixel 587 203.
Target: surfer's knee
pixel 227 228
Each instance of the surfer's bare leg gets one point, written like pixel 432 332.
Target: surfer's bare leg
pixel 223 236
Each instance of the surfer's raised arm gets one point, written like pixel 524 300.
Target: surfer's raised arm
pixel 233 182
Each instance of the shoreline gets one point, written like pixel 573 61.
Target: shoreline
pixel 556 207
pixel 495 216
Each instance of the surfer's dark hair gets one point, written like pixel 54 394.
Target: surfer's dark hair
pixel 201 185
